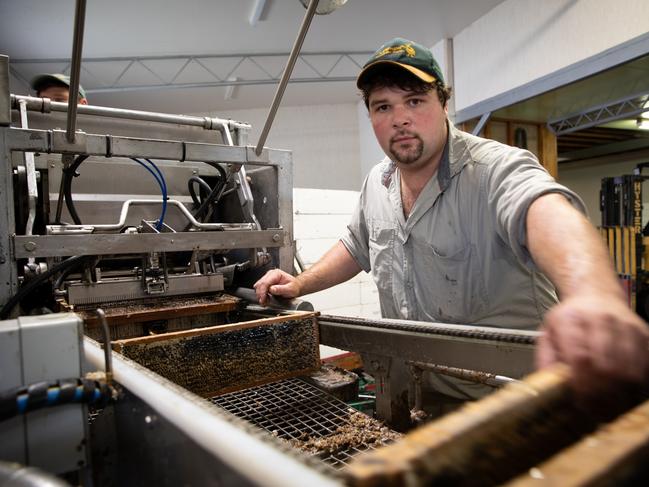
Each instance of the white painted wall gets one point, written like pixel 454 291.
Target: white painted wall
pixel 327 142
pixel 522 40
pixel 370 150
pixel 324 140
pixel 321 217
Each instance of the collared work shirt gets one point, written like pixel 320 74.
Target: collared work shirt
pixel 460 256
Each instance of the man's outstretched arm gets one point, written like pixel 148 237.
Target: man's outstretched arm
pixel 336 266
pixel 592 329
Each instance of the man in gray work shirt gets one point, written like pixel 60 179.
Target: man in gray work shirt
pixel 459 255
pixel 456 228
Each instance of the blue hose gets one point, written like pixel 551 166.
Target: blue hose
pixel 159 177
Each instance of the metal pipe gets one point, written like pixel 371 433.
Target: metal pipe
pixel 208 123
pixel 108 355
pixel 17 475
pixel 466 374
pixel 481 123
pixel 417 413
pixel 89 228
pixel 257 460
pixel 75 68
pixel 30 170
pixel 286 75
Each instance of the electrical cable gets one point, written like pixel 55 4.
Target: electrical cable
pixel 71 172
pixel 59 280
pixel 20 400
pixel 165 195
pixel 68 174
pixel 159 177
pixel 37 281
pixel 201 182
pixel 214 196
pixel 216 192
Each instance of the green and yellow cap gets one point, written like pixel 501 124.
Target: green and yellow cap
pixel 43 81
pixel 408 55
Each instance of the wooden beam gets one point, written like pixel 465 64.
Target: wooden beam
pixel 548 151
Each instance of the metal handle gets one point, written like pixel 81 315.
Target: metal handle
pixel 286 75
pixel 108 357
pixel 75 68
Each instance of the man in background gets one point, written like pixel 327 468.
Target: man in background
pixel 56 87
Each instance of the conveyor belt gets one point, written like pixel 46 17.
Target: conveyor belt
pixel 460 331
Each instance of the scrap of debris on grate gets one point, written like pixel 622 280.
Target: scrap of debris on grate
pixel 308 419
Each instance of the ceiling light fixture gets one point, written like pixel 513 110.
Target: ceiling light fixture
pixel 642 123
pixel 257 11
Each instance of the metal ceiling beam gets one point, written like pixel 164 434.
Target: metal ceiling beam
pixel 606 149
pixel 321 64
pixel 616 110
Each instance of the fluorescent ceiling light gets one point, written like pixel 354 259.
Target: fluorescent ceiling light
pixel 642 123
pixel 257 11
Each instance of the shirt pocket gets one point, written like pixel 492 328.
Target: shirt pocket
pixel 450 287
pixel 381 243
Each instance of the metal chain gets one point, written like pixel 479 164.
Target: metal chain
pixel 434 329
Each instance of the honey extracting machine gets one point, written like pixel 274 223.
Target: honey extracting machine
pixel 144 231
pixel 207 387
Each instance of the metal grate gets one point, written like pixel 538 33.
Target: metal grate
pixel 295 411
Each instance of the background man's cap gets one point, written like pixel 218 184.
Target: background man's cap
pixel 408 55
pixel 43 81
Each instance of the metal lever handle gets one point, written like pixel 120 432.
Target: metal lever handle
pixel 273 301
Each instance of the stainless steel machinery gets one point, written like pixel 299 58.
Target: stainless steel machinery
pixel 162 221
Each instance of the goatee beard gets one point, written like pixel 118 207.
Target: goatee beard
pixel 407 155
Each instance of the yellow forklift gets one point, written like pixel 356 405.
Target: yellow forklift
pixel 627 239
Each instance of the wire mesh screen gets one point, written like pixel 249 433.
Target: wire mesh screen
pixel 308 419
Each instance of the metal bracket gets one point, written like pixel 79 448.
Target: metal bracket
pixel 60 143
pixel 391 379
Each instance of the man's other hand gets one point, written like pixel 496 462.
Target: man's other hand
pixel 604 342
pixel 277 283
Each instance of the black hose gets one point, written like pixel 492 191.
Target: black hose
pixel 37 281
pixel 69 173
pixel 59 280
pixel 190 186
pixel 215 194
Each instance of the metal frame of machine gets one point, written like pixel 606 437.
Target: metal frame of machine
pixel 255 223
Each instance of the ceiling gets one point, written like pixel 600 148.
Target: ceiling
pixel 201 56
pixel 134 42
pixel 616 93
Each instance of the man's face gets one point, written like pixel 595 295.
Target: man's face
pixel 410 127
pixel 59 93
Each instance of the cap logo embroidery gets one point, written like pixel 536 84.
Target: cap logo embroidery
pixel 407 49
